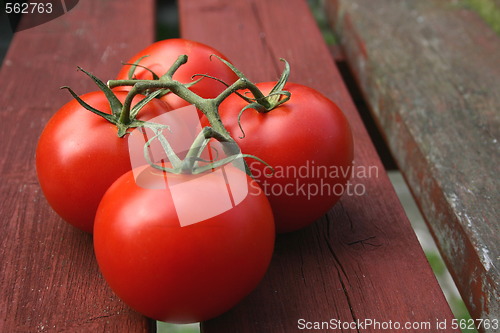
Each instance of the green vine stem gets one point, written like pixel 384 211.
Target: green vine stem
pixel 209 107
pixel 123 116
pixel 116 116
pixel 190 163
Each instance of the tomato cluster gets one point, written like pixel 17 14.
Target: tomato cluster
pixel 186 230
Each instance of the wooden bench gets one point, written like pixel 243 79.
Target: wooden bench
pixel 430 73
pixel 361 262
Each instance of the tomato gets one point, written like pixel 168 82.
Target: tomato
pixel 161 55
pixel 180 247
pixel 308 142
pixel 79 155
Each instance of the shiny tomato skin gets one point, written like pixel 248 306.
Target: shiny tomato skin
pixel 175 273
pixel 79 155
pixel 305 140
pixel 162 54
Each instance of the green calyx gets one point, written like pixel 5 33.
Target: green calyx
pixel 260 102
pixel 134 66
pixel 192 162
pixel 123 118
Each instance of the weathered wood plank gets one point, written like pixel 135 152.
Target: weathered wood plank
pixel 50 280
pixel 362 260
pixel 430 72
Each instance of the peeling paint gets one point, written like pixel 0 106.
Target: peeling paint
pixel 488 263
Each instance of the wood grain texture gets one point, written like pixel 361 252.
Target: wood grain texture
pixel 362 260
pixel 430 72
pixel 49 278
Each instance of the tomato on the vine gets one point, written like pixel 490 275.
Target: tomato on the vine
pixel 159 56
pixel 181 247
pixel 307 141
pixel 79 155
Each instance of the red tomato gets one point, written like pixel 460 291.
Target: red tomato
pixel 180 247
pixel 79 155
pixel 308 142
pixel 161 55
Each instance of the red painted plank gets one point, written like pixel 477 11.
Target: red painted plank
pixel 50 280
pixel 362 260
pixel 429 71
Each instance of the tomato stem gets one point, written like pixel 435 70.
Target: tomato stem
pixel 123 116
pixel 209 107
pixel 122 121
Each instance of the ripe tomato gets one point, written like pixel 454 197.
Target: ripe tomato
pixel 79 155
pixel 308 142
pixel 180 247
pixel 161 55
